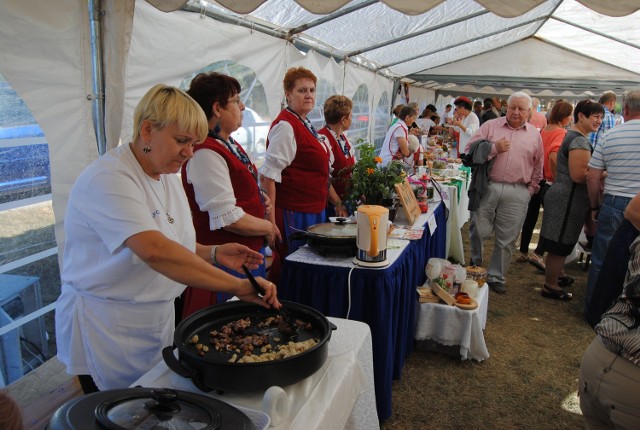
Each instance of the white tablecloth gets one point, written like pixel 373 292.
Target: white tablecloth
pixel 395 247
pixel 455 247
pixel 450 325
pixel 339 395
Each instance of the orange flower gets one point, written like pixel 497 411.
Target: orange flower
pixel 370 171
pixel 378 160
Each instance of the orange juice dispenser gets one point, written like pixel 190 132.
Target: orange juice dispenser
pixel 371 236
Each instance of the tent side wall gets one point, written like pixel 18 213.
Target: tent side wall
pixel 167 47
pixel 46 59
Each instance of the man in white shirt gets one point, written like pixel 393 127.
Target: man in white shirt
pixel 447 117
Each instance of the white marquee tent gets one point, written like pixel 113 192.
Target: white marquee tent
pixel 81 66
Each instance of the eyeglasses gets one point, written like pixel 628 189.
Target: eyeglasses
pixel 236 99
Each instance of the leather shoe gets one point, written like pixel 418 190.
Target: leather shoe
pixel 498 287
pixel 536 261
pixel 552 293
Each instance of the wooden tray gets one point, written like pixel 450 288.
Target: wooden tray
pixel 468 307
pixel 445 296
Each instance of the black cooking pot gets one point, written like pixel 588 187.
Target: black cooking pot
pixel 330 238
pixel 214 371
pixel 147 408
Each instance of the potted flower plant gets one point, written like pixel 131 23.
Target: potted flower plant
pixel 371 183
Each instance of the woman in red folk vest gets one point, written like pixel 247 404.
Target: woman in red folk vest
pixel 221 182
pixel 295 173
pixel 337 116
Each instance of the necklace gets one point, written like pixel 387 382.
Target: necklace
pixel 166 211
pixel 342 142
pixel 236 150
pixel 306 123
pixel 157 212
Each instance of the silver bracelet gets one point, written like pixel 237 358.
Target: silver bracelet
pixel 214 248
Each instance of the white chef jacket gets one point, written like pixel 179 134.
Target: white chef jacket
pixel 115 313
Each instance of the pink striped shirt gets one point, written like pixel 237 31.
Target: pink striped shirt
pixel 522 163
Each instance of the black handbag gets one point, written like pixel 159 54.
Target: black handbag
pixel 544 187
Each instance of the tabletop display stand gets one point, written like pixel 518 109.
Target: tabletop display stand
pixel 408 200
pixel 452 330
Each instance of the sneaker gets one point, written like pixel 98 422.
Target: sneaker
pixel 536 261
pixel 498 287
pixel 522 257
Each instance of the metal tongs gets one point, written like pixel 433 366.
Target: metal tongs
pixel 288 326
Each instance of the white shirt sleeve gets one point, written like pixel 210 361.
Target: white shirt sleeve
pixel 281 151
pixel 352 149
pixel 472 124
pixel 398 133
pixel 327 145
pixel 208 172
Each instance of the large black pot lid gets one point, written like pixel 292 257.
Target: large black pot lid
pixel 334 231
pixel 148 409
pixel 158 409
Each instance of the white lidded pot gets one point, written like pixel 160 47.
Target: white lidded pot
pixel 371 237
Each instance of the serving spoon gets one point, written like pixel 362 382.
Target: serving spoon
pixel 289 327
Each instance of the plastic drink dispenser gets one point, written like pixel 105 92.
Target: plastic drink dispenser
pixel 371 236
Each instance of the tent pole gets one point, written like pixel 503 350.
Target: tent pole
pixel 95 17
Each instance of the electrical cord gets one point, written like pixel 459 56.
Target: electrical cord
pixel 38 354
pixel 438 188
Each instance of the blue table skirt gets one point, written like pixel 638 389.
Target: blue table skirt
pixel 385 299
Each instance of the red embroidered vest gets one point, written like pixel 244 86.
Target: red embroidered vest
pixel 305 181
pixel 245 189
pixel 339 179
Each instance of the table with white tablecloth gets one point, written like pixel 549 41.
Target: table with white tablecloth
pixel 457 201
pixel 339 395
pixel 450 325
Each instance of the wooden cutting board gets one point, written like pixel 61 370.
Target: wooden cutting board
pixel 469 306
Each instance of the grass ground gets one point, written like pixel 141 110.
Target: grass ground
pixel 528 382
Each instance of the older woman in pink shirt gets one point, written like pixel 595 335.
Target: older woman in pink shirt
pixel 517 159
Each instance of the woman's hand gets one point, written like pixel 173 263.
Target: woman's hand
pixel 234 255
pixel 268 207
pixel 341 210
pixel 249 294
pixel 273 235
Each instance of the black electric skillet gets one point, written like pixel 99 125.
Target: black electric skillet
pixel 213 370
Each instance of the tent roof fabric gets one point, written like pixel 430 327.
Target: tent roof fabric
pixel 580 47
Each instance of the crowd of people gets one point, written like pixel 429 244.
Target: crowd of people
pixel 145 248
pixel 581 164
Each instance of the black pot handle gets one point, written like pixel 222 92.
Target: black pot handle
pixel 298 235
pixel 172 363
pixel 332 326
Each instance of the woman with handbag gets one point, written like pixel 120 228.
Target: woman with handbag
pixel 562 222
pixel 552 136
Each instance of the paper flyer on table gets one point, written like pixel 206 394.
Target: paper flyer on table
pixel 406 232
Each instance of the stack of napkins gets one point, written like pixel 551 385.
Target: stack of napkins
pixel 425 295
